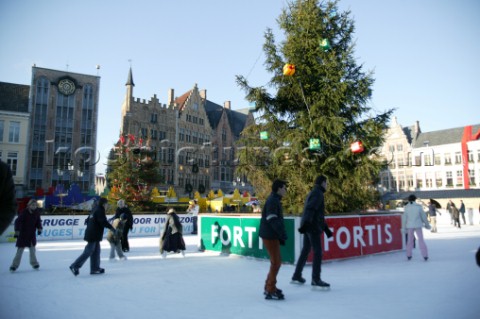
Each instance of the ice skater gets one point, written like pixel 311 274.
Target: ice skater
pixel 27 225
pixel 115 237
pixel 413 219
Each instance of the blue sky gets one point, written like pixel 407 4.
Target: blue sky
pixel 424 54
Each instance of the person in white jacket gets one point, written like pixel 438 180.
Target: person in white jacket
pixel 413 219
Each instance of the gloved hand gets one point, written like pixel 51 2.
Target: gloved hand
pixel 17 233
pixel 282 242
pixel 427 226
pixel 328 232
pixel 39 232
pixel 304 228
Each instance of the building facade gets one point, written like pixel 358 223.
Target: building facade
pixel 194 138
pixel 14 131
pixel 438 164
pixel 63 129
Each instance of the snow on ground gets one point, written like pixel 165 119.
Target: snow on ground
pixel 209 285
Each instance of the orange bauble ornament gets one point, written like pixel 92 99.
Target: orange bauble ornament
pixel 289 69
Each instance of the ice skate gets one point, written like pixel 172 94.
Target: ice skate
pixel 298 280
pixel 320 285
pixel 277 295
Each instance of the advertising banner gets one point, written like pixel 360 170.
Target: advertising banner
pixel 362 235
pixel 62 227
pixel 239 235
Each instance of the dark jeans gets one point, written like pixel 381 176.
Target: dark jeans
pixel 125 244
pixel 273 248
pixel 194 221
pixel 310 241
pixel 92 250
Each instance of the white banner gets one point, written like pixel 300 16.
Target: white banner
pixel 61 227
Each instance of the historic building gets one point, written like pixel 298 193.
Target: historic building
pixel 194 138
pixel 63 129
pixel 440 164
pixel 14 131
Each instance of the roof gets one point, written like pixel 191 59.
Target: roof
pixel 14 97
pixel 180 101
pixel 236 119
pixel 442 137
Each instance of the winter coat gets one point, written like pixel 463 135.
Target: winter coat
pixel 171 238
pixel 128 213
pixel 313 218
pixel 455 212
pixel 8 204
pixel 414 217
pixel 271 223
pixel 116 236
pixel 432 210
pixel 462 208
pixel 26 225
pixel 96 223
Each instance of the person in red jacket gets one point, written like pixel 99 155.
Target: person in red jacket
pixel 27 225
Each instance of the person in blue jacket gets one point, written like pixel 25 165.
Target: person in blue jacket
pixel 273 233
pixel 96 223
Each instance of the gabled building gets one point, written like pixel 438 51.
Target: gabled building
pixel 440 164
pixel 194 138
pixel 14 131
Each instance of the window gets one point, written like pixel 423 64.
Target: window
pixel 399 147
pixel 391 148
pixel 12 161
pixel 448 159
pixel 410 181
pixel 459 178
pixel 458 158
pixel 429 179
pixel 419 180
pixel 153 118
pixel 438 179
pixel 471 174
pixel 195 106
pixel 428 160
pixel 1 132
pixel 14 132
pixel 438 159
pixel 449 179
pixel 224 134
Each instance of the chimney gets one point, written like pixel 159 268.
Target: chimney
pixel 227 104
pixel 171 98
pixel 203 94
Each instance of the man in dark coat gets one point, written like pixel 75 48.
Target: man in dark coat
pixel 312 225
pixel 27 225
pixel 8 205
pixel 96 223
pixel 272 231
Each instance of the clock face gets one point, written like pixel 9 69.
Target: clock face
pixel 66 87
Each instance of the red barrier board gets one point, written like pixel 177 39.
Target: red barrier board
pixel 355 236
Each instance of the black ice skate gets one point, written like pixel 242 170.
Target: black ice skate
pixel 277 295
pixel 298 280
pixel 320 284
